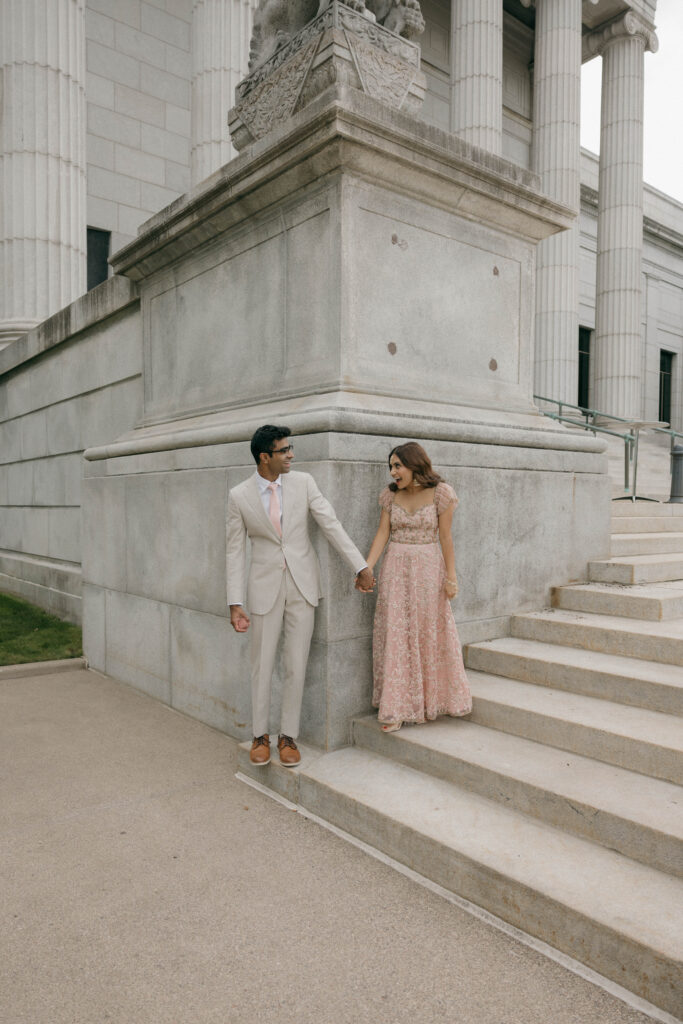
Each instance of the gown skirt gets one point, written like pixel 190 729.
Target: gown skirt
pixel 418 670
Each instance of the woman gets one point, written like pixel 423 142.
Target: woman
pixel 417 660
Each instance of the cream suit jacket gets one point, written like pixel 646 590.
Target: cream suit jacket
pixel 270 553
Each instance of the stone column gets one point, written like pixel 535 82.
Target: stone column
pixel 221 32
pixel 556 158
pixel 477 72
pixel 618 329
pixel 42 161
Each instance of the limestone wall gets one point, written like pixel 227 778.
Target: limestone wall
pixel 73 382
pixel 138 97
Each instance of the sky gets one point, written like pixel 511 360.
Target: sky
pixel 663 129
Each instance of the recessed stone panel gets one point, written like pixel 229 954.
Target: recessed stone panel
pixel 204 331
pixel 448 323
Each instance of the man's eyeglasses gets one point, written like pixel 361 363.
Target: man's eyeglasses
pixel 283 451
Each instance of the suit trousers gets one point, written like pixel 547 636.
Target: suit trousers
pixel 292 611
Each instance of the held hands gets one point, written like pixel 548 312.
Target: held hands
pixel 239 620
pixel 365 581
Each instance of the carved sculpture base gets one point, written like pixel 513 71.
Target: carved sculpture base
pixel 340 47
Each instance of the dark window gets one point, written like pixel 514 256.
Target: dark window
pixel 98 253
pixel 584 366
pixel 666 366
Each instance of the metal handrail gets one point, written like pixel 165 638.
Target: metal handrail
pixel 587 412
pixel 593 427
pixel 628 439
pixel 667 430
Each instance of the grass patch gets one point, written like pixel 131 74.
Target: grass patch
pixel 29 634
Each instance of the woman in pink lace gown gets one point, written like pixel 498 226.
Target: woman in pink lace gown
pixel 417 659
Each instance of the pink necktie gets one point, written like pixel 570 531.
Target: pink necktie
pixel 274 508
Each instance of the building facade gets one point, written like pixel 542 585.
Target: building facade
pixel 114 108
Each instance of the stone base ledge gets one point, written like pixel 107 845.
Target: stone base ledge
pixel 42 668
pixel 354 413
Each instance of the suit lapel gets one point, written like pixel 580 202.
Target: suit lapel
pixel 289 489
pixel 253 496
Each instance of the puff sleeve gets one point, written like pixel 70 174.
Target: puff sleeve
pixel 445 497
pixel 386 499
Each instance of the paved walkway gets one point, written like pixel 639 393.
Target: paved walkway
pixel 143 884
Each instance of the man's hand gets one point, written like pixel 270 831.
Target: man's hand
pixel 239 620
pixel 365 581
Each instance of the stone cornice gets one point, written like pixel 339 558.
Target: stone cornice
pixel 346 130
pixel 663 235
pixel 623 27
pixel 654 230
pixel 532 3
pixel 589 197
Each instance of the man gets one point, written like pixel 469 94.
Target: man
pixel 271 508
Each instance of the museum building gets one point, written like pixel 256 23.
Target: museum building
pixel 114 108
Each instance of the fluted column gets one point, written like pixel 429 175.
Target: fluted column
pixel 556 158
pixel 42 161
pixel 618 329
pixel 221 32
pixel 477 72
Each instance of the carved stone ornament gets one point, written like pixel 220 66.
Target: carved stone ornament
pixel 628 25
pixel 276 22
pixel 341 46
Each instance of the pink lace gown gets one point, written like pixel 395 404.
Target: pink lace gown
pixel 418 671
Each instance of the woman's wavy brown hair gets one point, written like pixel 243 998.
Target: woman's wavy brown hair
pixel 414 457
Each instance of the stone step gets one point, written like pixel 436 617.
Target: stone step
pixel 637 569
pixel 611 677
pixel 634 738
pixel 619 917
pixel 647 524
pixel 635 814
pixel 646 543
pixel 610 634
pixel 631 509
pixel 642 601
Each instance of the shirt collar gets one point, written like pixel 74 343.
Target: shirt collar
pixel 264 484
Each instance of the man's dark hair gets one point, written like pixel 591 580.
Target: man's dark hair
pixel 265 438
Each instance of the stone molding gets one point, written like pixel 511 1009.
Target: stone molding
pixel 348 414
pixel 628 25
pixel 339 46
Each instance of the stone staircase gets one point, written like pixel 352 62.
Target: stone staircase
pixel 558 804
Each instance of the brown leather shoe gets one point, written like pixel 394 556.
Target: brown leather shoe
pixel 289 752
pixel 260 750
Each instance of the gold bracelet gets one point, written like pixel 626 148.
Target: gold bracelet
pixel 453 583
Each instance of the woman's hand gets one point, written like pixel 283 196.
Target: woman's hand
pixel 451 588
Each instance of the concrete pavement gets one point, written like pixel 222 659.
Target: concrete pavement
pixel 144 884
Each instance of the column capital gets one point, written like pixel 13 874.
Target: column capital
pixel 629 25
pixel 533 3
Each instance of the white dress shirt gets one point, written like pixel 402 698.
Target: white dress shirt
pixel 264 491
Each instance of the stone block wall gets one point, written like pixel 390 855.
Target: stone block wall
pixel 73 382
pixel 138 107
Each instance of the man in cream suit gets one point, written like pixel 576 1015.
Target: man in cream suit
pixel 271 508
